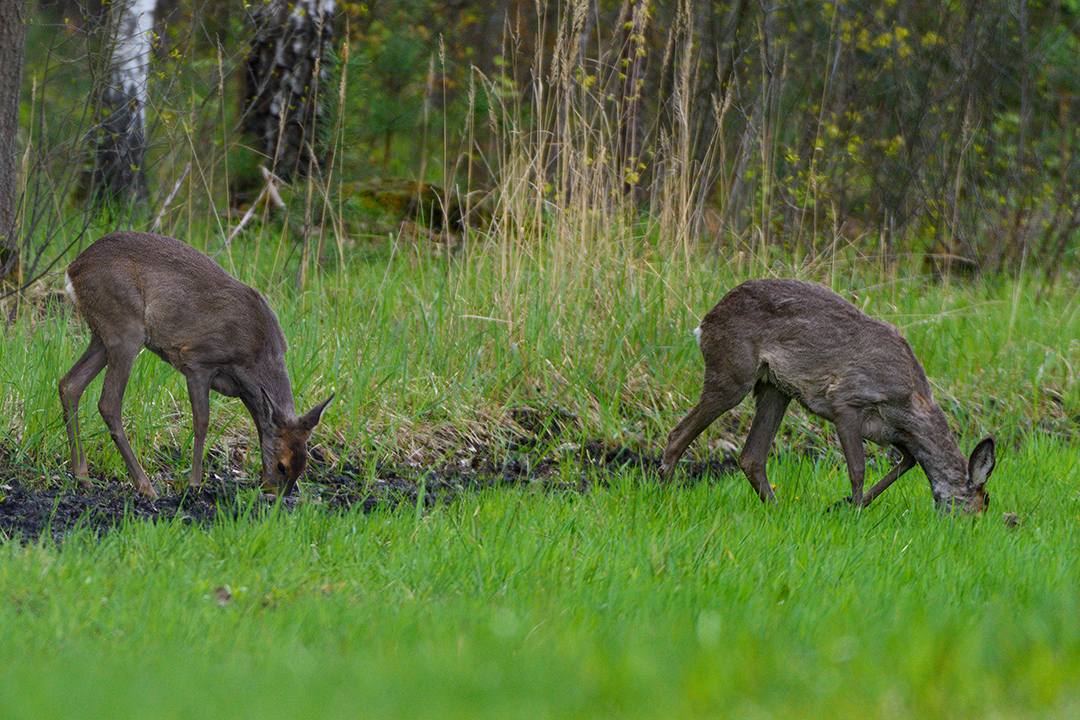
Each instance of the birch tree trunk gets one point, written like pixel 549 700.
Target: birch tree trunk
pixel 12 49
pixel 119 174
pixel 283 102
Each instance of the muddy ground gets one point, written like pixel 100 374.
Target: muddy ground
pixel 31 509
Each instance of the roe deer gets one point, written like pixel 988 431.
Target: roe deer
pixel 139 290
pixel 787 339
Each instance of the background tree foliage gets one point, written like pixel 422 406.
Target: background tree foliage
pixel 883 127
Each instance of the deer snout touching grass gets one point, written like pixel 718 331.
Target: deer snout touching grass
pixel 137 290
pixel 787 339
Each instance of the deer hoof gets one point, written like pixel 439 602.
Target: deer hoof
pixel 148 491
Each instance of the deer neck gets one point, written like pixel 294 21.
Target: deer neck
pixel 268 383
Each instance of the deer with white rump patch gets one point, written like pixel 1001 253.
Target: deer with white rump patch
pixel 788 339
pixel 137 290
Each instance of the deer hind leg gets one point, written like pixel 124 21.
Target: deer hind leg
pixel 121 360
pixel 716 399
pixel 72 386
pixel 771 404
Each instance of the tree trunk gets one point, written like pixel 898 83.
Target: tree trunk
pixel 283 102
pixel 12 49
pixel 119 174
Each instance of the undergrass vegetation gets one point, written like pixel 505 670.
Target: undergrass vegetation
pixel 424 352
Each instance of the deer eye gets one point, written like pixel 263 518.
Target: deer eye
pixel 281 468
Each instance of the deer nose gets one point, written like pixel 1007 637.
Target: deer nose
pixel 284 490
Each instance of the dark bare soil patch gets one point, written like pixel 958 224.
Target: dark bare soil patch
pixel 31 510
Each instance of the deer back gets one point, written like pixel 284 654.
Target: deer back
pixel 192 313
pixel 813 344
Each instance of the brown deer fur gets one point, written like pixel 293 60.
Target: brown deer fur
pixel 139 290
pixel 787 339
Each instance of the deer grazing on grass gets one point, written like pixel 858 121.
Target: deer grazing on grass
pixel 137 290
pixel 787 339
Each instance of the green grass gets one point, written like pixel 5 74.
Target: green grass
pixel 635 600
pixel 632 600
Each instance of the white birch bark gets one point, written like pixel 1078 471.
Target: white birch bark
pixel 285 68
pixel 119 173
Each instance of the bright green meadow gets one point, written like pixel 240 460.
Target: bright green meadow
pixel 627 599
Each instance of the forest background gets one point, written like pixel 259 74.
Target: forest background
pixel 888 130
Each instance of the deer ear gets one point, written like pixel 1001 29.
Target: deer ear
pixel 270 409
pixel 311 418
pixel 981 464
